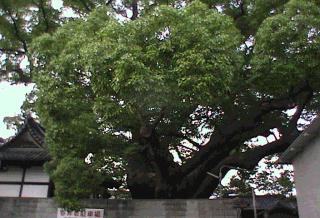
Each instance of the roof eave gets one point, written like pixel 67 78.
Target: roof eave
pixel 305 139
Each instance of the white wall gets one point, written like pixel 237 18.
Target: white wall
pixel 9 190
pixel 13 174
pixel 33 175
pixel 307 179
pixel 36 174
pixel 39 191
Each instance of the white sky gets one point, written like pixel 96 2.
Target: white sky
pixel 57 4
pixel 11 99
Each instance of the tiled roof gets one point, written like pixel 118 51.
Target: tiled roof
pixel 33 154
pixel 27 145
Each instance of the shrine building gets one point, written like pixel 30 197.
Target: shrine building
pixel 21 163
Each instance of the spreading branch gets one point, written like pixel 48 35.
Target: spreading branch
pixel 230 132
pixel 233 133
pixel 246 160
pixel 250 158
pixel 17 32
pixel 182 136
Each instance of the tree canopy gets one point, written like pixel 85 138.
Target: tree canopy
pixel 162 91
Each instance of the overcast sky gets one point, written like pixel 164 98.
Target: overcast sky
pixel 11 99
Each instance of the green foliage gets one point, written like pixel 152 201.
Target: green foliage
pixel 268 178
pixel 65 103
pixel 160 61
pixel 237 186
pixel 99 79
pixel 20 23
pixel 249 14
pixel 14 122
pixel 185 68
pixel 75 180
pixel 134 70
pixel 287 49
pixel 272 178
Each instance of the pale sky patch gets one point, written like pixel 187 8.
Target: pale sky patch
pixel 11 99
pixel 57 4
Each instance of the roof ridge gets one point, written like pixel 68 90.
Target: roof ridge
pixel 30 126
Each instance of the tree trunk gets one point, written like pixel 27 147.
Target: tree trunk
pixel 141 177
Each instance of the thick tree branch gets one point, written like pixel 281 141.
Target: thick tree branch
pixel 19 36
pixel 296 116
pixel 241 7
pixel 182 136
pixel 249 159
pixel 135 10
pixel 227 133
pixel 231 134
pixel 11 51
pixel 188 148
pixel 17 32
pixel 109 2
pixel 246 160
pixel 21 74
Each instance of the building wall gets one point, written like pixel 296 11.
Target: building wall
pixel 307 179
pixel 47 208
pixel 33 182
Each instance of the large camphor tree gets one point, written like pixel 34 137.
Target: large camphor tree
pixel 162 91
